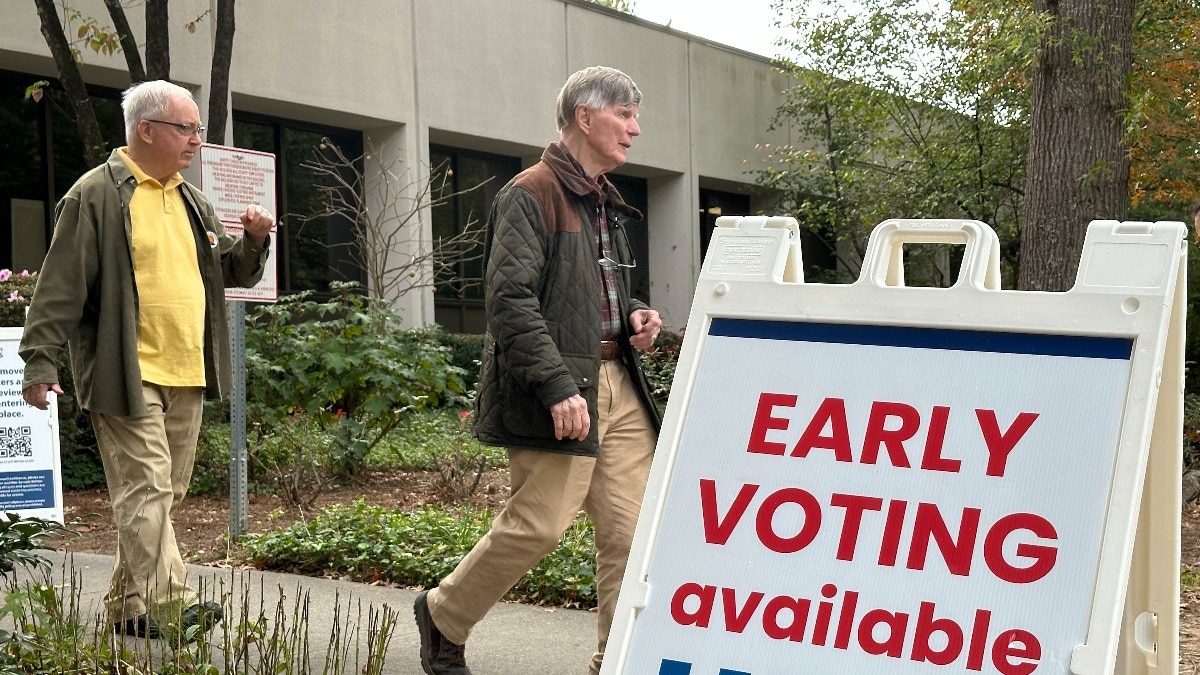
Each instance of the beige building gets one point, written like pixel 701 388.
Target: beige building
pixel 467 84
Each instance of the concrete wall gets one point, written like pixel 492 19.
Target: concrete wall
pixel 480 75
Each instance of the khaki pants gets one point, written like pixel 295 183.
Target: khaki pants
pixel 148 465
pixel 548 490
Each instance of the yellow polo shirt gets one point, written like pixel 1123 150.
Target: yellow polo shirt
pixel 169 288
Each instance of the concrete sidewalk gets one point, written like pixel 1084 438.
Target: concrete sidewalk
pixel 511 639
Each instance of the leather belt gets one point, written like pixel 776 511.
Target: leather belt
pixel 609 350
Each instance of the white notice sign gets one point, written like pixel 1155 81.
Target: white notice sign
pixel 233 178
pixel 30 469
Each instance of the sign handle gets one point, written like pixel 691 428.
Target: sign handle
pixel 883 263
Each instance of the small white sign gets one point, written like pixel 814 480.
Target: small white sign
pixel 233 178
pixel 30 468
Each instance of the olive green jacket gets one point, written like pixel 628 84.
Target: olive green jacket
pixel 86 297
pixel 542 300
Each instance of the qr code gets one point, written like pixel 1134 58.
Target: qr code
pixel 16 442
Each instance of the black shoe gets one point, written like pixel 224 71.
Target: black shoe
pixel 143 626
pixel 199 618
pixel 439 656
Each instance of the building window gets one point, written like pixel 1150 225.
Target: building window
pixel 634 192
pixel 467 181
pixel 714 204
pixel 312 251
pixel 30 183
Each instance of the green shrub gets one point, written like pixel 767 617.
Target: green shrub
pixel 659 365
pixel 465 350
pixel 418 548
pixel 16 290
pixel 343 363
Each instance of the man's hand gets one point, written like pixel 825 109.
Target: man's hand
pixel 646 324
pixel 571 418
pixel 257 222
pixel 35 394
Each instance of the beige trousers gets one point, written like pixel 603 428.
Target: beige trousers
pixel 548 490
pixel 148 465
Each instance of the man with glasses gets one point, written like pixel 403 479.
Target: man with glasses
pixel 560 384
pixel 134 282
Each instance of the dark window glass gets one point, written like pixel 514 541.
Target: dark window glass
pixel 633 191
pixel 314 251
pixel 714 204
pixel 464 183
pixel 30 132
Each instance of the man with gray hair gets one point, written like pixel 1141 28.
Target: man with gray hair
pixel 134 282
pixel 560 385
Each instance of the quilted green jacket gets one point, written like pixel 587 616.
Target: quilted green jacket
pixel 542 304
pixel 86 297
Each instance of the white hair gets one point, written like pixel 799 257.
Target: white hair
pixel 595 88
pixel 149 100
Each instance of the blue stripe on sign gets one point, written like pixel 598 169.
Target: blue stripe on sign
pixel 726 671
pixel 927 338
pixel 670 667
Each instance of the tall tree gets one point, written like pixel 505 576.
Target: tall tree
pixel 1078 166
pixel 102 39
pixel 902 109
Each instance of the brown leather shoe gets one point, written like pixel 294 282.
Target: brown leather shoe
pixel 439 656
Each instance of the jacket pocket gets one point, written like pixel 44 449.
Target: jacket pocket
pixel 524 414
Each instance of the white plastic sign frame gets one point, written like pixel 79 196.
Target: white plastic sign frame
pixel 30 464
pixel 873 478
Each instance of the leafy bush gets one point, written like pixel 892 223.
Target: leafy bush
pixel 1191 431
pixel 659 364
pixel 16 290
pixel 343 364
pixel 371 543
pixel 465 350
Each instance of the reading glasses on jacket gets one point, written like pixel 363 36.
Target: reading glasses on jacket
pixel 610 264
pixel 184 129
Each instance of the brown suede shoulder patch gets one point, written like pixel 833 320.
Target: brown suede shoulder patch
pixel 558 213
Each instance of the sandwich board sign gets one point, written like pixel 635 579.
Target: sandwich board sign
pixel 876 478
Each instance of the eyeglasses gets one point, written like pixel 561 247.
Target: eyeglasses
pixel 610 264
pixel 184 129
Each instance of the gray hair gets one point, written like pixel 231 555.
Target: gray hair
pixel 146 100
pixel 595 88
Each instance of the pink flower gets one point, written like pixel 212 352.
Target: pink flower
pixel 15 295
pixel 26 273
pixel 5 274
pixel 464 414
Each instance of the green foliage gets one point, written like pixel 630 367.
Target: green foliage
pixel 342 357
pixel 418 548
pixel 21 539
pixel 16 290
pixel 902 109
pixel 422 442
pixel 343 364
pixel 1191 431
pixel 52 634
pixel 465 350
pixel 659 365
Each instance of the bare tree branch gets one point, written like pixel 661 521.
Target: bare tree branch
pixel 384 205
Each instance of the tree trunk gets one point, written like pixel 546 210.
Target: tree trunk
pixel 218 90
pixel 158 41
pixel 129 47
pixel 72 82
pixel 1078 168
